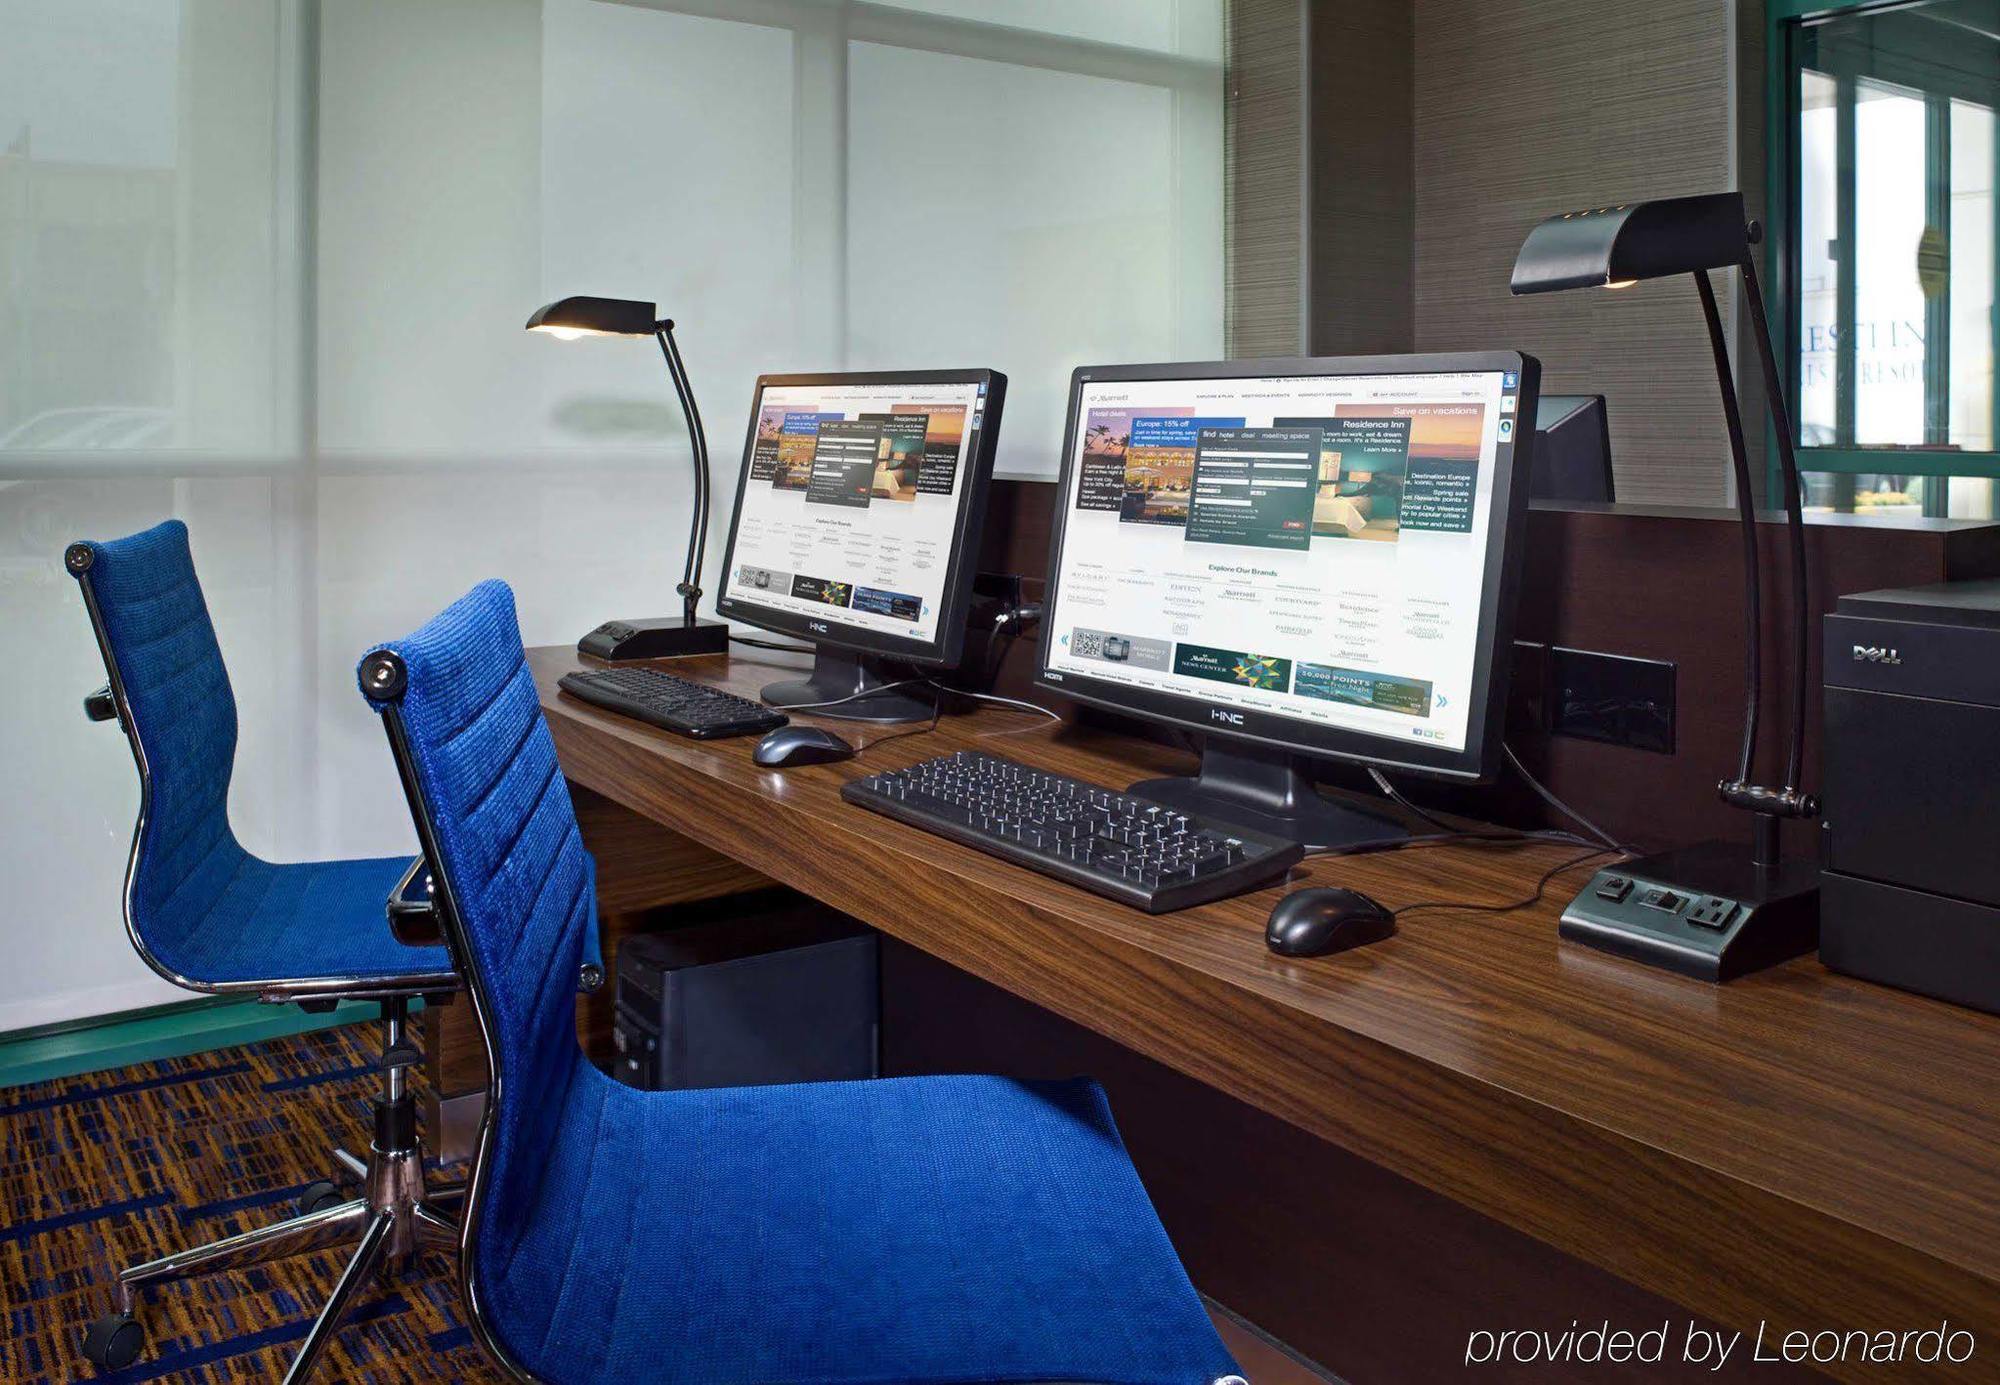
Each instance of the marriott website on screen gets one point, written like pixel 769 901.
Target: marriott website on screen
pixel 1313 547
pixel 851 499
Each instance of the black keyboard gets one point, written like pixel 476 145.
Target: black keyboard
pixel 1133 850
pixel 660 699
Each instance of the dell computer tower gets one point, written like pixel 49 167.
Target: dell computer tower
pixel 1910 894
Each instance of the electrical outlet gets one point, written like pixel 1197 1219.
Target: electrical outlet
pixel 1712 912
pixel 1610 697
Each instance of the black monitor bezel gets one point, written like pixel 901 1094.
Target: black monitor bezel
pixel 962 566
pixel 1500 581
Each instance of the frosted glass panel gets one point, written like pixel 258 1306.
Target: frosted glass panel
pixel 181 179
pixel 138 248
pixel 1191 28
pixel 1972 303
pixel 667 174
pixel 148 340
pixel 1894 247
pixel 1032 220
pixel 478 160
pixel 1888 297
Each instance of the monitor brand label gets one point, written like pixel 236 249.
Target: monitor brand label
pixel 1226 718
pixel 1876 654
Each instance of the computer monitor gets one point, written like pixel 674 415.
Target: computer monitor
pixel 1300 557
pixel 856 528
pixel 1572 450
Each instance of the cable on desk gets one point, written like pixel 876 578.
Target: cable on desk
pixel 1561 807
pixel 937 710
pixel 1541 888
pixel 1013 702
pixel 875 691
pixel 1450 838
pixel 1447 833
pixel 1390 792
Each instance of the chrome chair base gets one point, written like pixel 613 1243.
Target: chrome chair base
pixel 394 1216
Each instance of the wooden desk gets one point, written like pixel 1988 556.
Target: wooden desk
pixel 1795 1147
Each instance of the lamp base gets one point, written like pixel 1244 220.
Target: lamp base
pixel 620 641
pixel 1708 911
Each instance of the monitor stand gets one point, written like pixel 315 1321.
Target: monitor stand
pixel 1270 791
pixel 836 675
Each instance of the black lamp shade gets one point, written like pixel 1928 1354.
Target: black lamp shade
pixel 595 317
pixel 1632 241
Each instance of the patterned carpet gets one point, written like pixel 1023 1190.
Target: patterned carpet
pixel 100 1170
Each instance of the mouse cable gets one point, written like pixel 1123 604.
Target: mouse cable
pixel 1541 888
pixel 937 710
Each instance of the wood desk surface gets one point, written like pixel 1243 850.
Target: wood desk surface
pixel 1796 1146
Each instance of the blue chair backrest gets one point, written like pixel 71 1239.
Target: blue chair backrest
pixel 160 650
pixel 481 768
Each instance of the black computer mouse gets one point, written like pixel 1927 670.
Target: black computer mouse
pixel 791 746
pixel 1314 922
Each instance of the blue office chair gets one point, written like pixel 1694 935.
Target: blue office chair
pixel 206 914
pixel 908 1229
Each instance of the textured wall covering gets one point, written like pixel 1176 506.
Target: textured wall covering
pixel 1362 194
pixel 1264 142
pixel 1527 107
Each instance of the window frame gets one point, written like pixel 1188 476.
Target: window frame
pixel 1785 21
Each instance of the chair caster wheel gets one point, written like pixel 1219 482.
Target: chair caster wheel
pixel 114 1341
pixel 317 1197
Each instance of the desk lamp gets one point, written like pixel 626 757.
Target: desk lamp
pixel 656 638
pixel 1717 909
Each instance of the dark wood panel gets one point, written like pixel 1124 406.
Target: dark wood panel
pixel 1796 1146
pixel 643 866
pixel 1359 1269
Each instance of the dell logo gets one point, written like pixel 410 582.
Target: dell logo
pixel 1875 654
pixel 818 626
pixel 1227 718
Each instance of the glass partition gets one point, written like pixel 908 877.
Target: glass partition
pixel 1886 253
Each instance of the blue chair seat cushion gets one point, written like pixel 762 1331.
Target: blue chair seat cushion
pixel 906 1229
pixel 309 920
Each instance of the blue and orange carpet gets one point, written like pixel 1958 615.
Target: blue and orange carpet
pixel 105 1169
pixel 100 1170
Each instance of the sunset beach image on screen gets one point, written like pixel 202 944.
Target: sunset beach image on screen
pixel 851 500
pixel 1312 546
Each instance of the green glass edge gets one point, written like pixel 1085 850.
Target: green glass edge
pixel 76 1047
